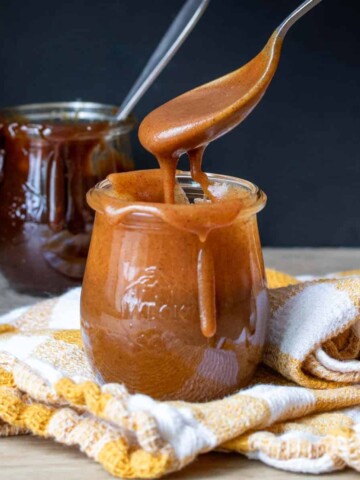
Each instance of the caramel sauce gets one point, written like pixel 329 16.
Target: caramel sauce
pixel 180 307
pixel 206 291
pixel 45 223
pixel 173 301
pixel 188 123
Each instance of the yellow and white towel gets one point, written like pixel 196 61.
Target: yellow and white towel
pixel 302 414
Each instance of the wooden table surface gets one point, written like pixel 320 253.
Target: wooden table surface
pixel 30 458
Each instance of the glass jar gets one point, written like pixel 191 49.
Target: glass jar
pixel 50 155
pixel 142 296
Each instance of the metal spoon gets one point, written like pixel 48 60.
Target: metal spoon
pixel 197 117
pixel 174 37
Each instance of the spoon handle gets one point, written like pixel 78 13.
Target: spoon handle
pixel 294 16
pixel 178 31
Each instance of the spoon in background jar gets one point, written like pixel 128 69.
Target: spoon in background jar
pixel 174 37
pixel 189 122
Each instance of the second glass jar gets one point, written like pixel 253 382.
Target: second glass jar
pixel 50 155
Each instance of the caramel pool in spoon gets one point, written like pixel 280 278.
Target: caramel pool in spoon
pixel 189 122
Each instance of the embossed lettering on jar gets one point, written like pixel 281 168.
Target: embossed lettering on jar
pixel 174 303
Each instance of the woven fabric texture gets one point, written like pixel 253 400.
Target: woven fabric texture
pixel 301 413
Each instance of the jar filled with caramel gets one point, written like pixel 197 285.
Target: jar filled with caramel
pixel 174 301
pixel 50 155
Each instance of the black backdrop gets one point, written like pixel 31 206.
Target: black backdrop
pixel 301 144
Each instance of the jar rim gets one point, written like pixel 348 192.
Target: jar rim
pixel 73 110
pixel 254 204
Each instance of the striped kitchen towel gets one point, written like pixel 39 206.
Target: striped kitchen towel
pixel 301 413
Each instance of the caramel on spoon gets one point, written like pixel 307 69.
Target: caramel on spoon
pixel 189 122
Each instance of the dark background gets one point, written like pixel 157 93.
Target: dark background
pixel 301 144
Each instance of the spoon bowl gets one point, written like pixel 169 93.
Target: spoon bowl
pixel 213 109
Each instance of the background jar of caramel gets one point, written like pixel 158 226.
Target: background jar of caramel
pixel 140 300
pixel 50 155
